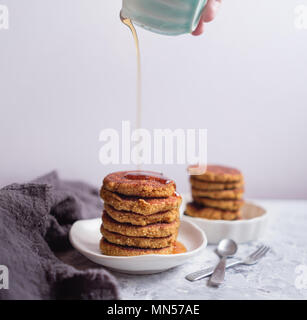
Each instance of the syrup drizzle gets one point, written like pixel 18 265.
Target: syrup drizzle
pixel 130 25
pixel 143 175
pixel 146 175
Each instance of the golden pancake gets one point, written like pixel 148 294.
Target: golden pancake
pixel 145 184
pixel 139 219
pixel 111 249
pixel 235 194
pixel 145 206
pixel 195 210
pixel 156 230
pixel 140 242
pixel 220 204
pixel 204 185
pixel 216 173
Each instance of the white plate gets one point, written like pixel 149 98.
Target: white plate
pixel 251 227
pixel 85 236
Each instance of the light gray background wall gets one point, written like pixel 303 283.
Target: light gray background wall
pixel 67 70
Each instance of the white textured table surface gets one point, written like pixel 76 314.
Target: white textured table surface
pixel 274 277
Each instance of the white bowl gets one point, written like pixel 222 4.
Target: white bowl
pixel 85 236
pixel 251 227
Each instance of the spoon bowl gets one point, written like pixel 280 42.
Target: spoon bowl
pixel 227 248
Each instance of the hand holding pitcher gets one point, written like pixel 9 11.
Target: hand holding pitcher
pixel 170 17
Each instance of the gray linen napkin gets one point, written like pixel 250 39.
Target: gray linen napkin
pixel 35 219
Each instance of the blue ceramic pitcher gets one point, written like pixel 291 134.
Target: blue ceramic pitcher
pixel 169 17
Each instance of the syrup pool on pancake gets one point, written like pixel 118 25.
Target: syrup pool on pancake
pixel 147 175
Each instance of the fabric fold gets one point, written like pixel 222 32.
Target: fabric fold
pixel 35 219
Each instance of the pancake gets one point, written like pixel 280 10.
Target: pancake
pixel 221 194
pixel 204 185
pixel 139 242
pixel 220 204
pixel 145 206
pixel 156 230
pixel 139 219
pixel 216 173
pixel 146 184
pixel 195 210
pixel 111 249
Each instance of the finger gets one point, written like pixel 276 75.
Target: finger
pixel 210 10
pixel 208 15
pixel 199 29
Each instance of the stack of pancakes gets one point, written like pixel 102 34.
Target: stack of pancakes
pixel 141 214
pixel 217 194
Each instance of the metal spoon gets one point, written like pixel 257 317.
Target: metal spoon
pixel 226 248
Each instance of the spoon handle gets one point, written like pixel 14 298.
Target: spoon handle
pixel 218 275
